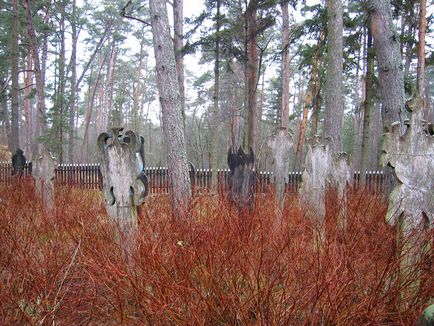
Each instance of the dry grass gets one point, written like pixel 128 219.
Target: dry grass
pixel 214 268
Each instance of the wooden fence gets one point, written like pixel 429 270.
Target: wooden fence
pixel 88 176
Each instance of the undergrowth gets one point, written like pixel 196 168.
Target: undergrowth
pixel 212 268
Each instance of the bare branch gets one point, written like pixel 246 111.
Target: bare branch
pixel 128 16
pixel 137 19
pixel 27 86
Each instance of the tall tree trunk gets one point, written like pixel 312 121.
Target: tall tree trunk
pixel 178 41
pixel 88 116
pixel 421 51
pixel 280 143
pixel 40 93
pixel 310 93
pixel 334 109
pixel 357 116
pixel 60 92
pixel 100 110
pixel 15 127
pixel 168 89
pixel 213 146
pixel 368 106
pixel 5 112
pixel 137 93
pixel 27 106
pixel 376 132
pixel 316 108
pixel 386 44
pixel 110 88
pixel 408 35
pixel 235 121
pixel 284 120
pixel 73 98
pixel 364 63
pixel 252 67
pixel 260 158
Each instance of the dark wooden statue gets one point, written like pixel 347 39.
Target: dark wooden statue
pixel 242 178
pixel 192 174
pixel 18 163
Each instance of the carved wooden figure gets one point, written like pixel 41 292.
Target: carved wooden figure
pixel 411 200
pixel 323 170
pixel 412 159
pixel 45 172
pixel 280 144
pixel 242 179
pixel 125 185
pixel 18 163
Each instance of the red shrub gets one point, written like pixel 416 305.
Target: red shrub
pixel 214 268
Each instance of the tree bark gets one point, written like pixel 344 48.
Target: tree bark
pixel 37 67
pixel 89 110
pixel 310 93
pixel 252 67
pixel 284 120
pixel 5 113
pixel 178 42
pixel 386 44
pixel 73 98
pixel 27 105
pixel 316 108
pixel 14 135
pixel 235 121
pixel 334 109
pixel 137 93
pixel 421 51
pixel 376 134
pixel 357 116
pixel 110 88
pixel 408 35
pixel 60 92
pixel 368 106
pixel 213 146
pixel 168 89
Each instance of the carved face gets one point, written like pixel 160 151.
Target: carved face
pixel 412 158
pixel 46 166
pixel 323 169
pixel 280 144
pixel 125 185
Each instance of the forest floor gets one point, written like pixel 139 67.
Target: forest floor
pixel 214 267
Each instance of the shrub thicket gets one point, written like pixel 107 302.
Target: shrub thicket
pixel 213 268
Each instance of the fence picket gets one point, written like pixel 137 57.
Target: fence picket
pixel 88 176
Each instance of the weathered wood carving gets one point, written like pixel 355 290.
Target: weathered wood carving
pixel 280 144
pixel 242 179
pixel 323 171
pixel 412 158
pixel 125 185
pixel 45 171
pixel 18 163
pixel 192 174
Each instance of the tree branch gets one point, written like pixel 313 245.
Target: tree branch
pixel 135 18
pixel 27 86
pixel 128 16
